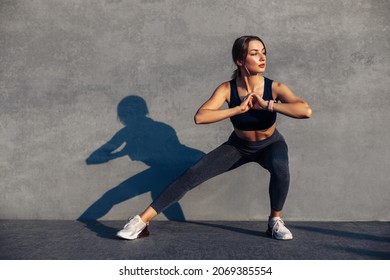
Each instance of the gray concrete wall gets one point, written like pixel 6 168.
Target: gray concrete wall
pixel 71 69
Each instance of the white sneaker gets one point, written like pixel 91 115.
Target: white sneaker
pixel 133 229
pixel 278 230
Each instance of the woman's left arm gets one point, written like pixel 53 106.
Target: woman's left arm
pixel 291 105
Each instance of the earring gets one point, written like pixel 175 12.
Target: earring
pixel 247 70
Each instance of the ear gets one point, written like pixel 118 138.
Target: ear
pixel 239 62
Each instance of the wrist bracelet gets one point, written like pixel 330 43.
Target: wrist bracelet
pixel 271 105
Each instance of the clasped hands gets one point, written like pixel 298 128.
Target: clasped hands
pixel 253 101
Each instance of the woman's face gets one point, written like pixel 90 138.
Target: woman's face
pixel 255 61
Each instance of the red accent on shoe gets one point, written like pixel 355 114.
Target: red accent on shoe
pixel 144 233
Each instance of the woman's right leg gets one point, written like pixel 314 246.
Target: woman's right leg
pixel 224 158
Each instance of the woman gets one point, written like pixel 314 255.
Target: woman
pixel 253 103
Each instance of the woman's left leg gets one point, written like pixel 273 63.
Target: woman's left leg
pixel 274 158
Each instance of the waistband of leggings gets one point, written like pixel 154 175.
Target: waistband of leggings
pixel 273 138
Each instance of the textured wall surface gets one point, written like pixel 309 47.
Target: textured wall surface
pixel 80 78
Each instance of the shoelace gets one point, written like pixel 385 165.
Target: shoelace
pixel 130 221
pixel 276 224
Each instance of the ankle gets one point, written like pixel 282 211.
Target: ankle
pixel 144 219
pixel 148 215
pixel 275 214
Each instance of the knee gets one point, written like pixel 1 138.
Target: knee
pixel 279 167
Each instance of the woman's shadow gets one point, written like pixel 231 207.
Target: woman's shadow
pixel 151 142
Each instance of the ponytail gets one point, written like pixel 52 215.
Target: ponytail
pixel 236 74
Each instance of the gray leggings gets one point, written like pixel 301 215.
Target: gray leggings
pixel 271 154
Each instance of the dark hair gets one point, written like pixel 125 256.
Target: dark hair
pixel 240 50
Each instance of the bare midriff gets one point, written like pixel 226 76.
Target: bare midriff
pixel 255 135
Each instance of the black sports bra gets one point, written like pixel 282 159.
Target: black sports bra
pixel 253 119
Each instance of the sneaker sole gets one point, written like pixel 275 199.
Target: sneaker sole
pixel 269 233
pixel 144 233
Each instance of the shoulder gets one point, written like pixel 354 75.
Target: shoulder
pixel 225 85
pixel 279 90
pixel 279 86
pixel 223 88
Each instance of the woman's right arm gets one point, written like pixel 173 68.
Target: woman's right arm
pixel 211 111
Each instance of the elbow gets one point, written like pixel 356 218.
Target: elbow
pixel 200 120
pixel 197 119
pixel 308 113
pixel 200 117
pixel 305 111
